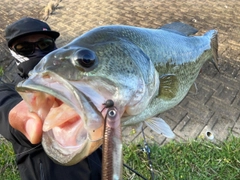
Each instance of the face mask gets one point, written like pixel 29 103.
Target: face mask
pixel 26 64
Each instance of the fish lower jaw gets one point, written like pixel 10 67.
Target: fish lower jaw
pixel 71 154
pixel 65 139
pixel 60 154
pixel 66 150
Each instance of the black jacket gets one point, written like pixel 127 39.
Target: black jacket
pixel 32 161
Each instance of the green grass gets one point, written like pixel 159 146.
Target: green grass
pixel 8 168
pixel 195 160
pixel 1 71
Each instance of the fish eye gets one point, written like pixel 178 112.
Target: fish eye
pixel 85 59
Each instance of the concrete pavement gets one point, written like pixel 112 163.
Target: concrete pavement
pixel 215 108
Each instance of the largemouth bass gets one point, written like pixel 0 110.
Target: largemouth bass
pixel 143 71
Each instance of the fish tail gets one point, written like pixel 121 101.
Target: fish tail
pixel 214 47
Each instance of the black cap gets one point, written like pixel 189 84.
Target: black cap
pixel 27 26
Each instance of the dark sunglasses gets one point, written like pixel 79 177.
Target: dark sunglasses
pixel 28 48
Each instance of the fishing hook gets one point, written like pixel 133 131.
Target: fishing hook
pixel 108 104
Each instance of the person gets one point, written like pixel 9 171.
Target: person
pixel 29 40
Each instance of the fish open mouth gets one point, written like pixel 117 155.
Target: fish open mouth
pixel 69 133
pixel 65 125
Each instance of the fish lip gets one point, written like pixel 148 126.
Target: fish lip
pixel 33 84
pixel 36 82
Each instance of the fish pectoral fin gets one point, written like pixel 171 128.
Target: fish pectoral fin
pixel 194 88
pixel 159 126
pixel 168 87
pixel 180 28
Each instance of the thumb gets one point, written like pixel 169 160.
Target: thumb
pixel 26 122
pixel 33 128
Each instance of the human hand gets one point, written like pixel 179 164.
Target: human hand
pixel 26 122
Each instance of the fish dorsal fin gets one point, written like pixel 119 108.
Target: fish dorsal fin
pixel 168 87
pixel 180 28
pixel 159 126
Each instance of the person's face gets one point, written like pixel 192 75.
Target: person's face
pixel 26 45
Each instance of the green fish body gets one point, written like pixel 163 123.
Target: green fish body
pixel 143 71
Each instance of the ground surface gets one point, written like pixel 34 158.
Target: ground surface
pixel 216 105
